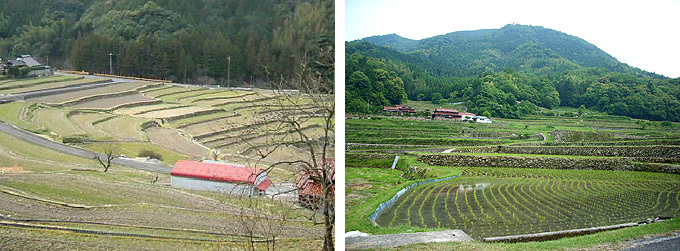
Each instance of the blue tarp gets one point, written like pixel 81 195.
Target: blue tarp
pixel 389 203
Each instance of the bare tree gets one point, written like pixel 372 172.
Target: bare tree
pixel 109 152
pixel 301 122
pixel 262 220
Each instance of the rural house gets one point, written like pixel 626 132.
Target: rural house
pixel 219 177
pixel 441 113
pixel 26 66
pixel 309 188
pixel 401 109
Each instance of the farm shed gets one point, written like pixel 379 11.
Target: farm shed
pixel 482 119
pixel 310 190
pixel 219 177
pixel 467 116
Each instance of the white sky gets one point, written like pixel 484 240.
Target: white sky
pixel 643 33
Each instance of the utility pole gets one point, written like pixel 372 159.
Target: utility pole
pixel 228 71
pixel 110 63
pixel 368 107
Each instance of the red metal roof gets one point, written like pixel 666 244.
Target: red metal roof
pixel 306 184
pixel 215 171
pixel 446 110
pixel 264 185
pixel 466 113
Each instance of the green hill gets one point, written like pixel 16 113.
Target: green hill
pixel 493 69
pixel 184 41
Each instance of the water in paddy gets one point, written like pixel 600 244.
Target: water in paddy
pixel 501 206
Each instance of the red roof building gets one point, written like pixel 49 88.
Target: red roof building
pixel 441 113
pixel 220 177
pixel 399 109
pixel 310 190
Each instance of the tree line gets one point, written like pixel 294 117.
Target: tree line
pixel 512 94
pixel 183 41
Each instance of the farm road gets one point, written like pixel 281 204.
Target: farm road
pixel 37 140
pixel 395 240
pixel 661 243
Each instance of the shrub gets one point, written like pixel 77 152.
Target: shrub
pixel 150 154
pixel 75 139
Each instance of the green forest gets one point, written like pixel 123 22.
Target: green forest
pixel 195 41
pixel 507 72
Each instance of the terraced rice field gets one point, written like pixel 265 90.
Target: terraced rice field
pixel 110 103
pixel 86 120
pixel 57 122
pixel 18 83
pixel 141 109
pixel 54 85
pixel 487 202
pixel 104 90
pixel 124 128
pixel 117 111
pixel 168 113
pixel 173 140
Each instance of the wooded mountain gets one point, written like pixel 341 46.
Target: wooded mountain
pixel 174 39
pixel 492 69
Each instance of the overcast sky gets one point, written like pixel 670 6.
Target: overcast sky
pixel 643 34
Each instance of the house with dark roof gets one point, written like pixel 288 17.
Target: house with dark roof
pixel 309 185
pixel 26 66
pixel 28 60
pixel 219 177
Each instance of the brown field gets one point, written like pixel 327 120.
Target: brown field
pixel 172 140
pixel 110 103
pixel 172 112
pixel 139 109
pixel 217 125
pixel 51 85
pixel 75 95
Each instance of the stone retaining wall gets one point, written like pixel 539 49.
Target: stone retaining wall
pixel 609 151
pixel 545 163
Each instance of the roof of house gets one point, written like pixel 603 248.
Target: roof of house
pixel 30 62
pixel 305 182
pixel 388 108
pixel 15 63
pixel 446 110
pixel 216 171
pixel 467 113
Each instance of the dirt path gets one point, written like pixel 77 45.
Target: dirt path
pixel 395 240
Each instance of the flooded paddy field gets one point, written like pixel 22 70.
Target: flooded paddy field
pixel 488 202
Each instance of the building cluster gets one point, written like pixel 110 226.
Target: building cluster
pixel 400 109
pixel 237 179
pixel 24 66
pixel 439 114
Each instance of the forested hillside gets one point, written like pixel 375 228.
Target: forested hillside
pixel 185 41
pixel 507 72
